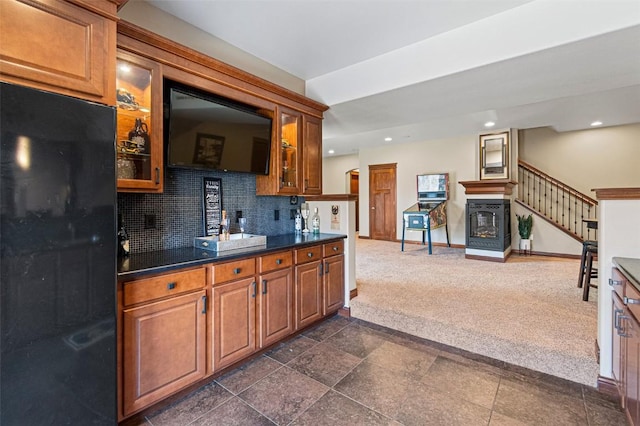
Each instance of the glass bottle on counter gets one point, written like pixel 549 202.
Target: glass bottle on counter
pixel 123 239
pixel 298 222
pixel 223 234
pixel 315 221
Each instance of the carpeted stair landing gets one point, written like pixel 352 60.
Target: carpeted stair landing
pixel 527 311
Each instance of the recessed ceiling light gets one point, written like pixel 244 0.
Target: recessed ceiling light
pixel 489 124
pixel 331 151
pixel 596 123
pixel 388 139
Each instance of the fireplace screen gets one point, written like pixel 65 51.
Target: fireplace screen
pixel 484 225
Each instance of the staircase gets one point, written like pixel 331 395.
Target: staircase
pixel 556 202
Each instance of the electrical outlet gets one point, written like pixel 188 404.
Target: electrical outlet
pixel 276 215
pixel 238 215
pixel 149 221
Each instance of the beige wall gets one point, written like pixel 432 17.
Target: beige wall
pixel 153 19
pixel 334 169
pixel 596 158
pixel 457 156
pixel 619 237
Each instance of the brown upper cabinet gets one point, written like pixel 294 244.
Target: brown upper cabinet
pixel 286 156
pixel 139 124
pixel 312 156
pixel 296 167
pixel 60 46
pixel 296 147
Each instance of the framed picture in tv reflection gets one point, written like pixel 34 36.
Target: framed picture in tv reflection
pixel 208 150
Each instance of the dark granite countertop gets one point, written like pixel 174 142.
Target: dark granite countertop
pixel 630 268
pixel 138 265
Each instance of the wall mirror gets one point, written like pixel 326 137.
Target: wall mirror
pixel 494 156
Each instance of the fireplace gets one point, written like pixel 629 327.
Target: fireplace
pixel 488 226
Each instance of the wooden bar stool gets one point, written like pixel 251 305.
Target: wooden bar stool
pixel 586 245
pixel 590 271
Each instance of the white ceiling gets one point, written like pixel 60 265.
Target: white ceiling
pixel 418 70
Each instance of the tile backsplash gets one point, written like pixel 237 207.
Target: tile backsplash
pixel 178 210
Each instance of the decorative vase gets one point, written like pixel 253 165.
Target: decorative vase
pixel 139 136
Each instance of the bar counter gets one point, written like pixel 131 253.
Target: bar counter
pixel 138 265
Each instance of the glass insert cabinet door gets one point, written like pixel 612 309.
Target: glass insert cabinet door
pixel 289 151
pixel 137 133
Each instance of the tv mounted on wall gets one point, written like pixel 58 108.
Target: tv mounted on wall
pixel 209 132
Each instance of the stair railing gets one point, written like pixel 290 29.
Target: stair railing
pixel 562 205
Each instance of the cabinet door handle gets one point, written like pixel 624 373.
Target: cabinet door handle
pixel 157 175
pixel 320 266
pixel 306 184
pixel 326 267
pixel 237 271
pixel 614 283
pixel 616 318
pixel 310 254
pixel 204 304
pixel 278 261
pixel 630 301
pixel 264 286
pixel 621 332
pixel 335 248
pixel 253 295
pixel 171 286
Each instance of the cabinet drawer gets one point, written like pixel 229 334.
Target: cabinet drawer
pixel 618 282
pixel 233 270
pixel 332 249
pixel 308 254
pixel 148 289
pixel 632 299
pixel 271 262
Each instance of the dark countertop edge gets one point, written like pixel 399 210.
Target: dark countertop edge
pixel 274 244
pixel 630 268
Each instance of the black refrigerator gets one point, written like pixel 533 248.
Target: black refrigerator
pixel 57 260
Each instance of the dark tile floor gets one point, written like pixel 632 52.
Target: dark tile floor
pixel 348 372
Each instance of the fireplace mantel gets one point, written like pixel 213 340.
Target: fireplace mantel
pixel 489 186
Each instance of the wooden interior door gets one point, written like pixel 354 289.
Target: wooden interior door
pixel 382 202
pixel 354 189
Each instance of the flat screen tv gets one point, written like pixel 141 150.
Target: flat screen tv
pixel 205 131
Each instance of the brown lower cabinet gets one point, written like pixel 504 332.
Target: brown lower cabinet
pixel 275 306
pixel 180 327
pixel 234 323
pixel 308 285
pixel 164 345
pixel 308 293
pixel 333 276
pixel 626 344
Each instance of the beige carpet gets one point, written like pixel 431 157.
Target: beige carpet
pixel 527 311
